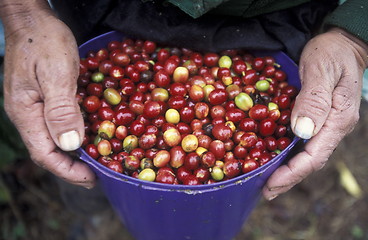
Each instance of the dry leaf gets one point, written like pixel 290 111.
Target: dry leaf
pixel 348 181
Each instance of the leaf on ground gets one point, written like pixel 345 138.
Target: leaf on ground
pixel 357 232
pixel 4 193
pixel 348 181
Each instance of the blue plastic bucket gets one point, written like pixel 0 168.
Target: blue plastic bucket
pixel 155 211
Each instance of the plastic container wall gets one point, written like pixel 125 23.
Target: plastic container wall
pixel 154 211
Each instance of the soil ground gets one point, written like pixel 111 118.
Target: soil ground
pixel 319 208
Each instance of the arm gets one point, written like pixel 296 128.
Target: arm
pixel 327 108
pixel 41 70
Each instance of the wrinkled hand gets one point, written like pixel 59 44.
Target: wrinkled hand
pixel 41 70
pixel 327 108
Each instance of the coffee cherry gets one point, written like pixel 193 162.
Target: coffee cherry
pixel 112 96
pixel 115 166
pixel 151 109
pixel 217 147
pixel 131 163
pixel 159 94
pixel 147 174
pixel 116 72
pixel 97 77
pixel 172 116
pixel 225 62
pixel 196 93
pixel 105 113
pixel 104 147
pixel 248 140
pixel 121 132
pixel 106 129
pixel 258 112
pixel 208 159
pixel 217 96
pixel 147 141
pixel 191 66
pixel 217 174
pixel 222 132
pixel 181 75
pixel 146 163
pixel 92 151
pixel 191 180
pixel 95 89
pixel 149 46
pixel 267 127
pixel 249 165
pixel 243 101
pixel 250 77
pixel 262 85
pixel 177 116
pixel 91 104
pixel 130 142
pixel 211 59
pixel 283 142
pixel 192 161
pixel 201 110
pixel 139 153
pixel 124 117
pixel 231 168
pixel 189 143
pixel 258 64
pixel 172 137
pixel 165 175
pixel 280 75
pixel 161 159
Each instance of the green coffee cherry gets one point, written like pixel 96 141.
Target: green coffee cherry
pixel 147 174
pixel 243 101
pixel 217 174
pixel 112 96
pixel 97 77
pixel 272 106
pixel 130 142
pixel 262 85
pixel 225 61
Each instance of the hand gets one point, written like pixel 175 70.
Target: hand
pixel 41 70
pixel 327 107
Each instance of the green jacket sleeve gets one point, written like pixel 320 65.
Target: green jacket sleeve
pixel 351 16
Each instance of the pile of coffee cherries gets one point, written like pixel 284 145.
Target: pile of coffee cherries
pixel 177 116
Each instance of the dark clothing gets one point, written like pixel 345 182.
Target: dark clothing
pixel 239 8
pixel 286 30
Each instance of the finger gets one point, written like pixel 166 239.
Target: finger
pixel 61 110
pixel 45 153
pixel 314 157
pixel 313 103
pixel 342 117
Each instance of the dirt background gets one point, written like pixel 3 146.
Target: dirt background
pixel 319 208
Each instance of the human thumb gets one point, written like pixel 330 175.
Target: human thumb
pixel 313 103
pixel 61 110
pixel 64 121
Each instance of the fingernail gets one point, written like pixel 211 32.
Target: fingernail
pixel 272 197
pixel 69 141
pixel 304 127
pixel 89 187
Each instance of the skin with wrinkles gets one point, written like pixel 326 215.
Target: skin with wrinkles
pixel 41 68
pixel 331 72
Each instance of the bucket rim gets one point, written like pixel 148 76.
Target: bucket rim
pixel 190 189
